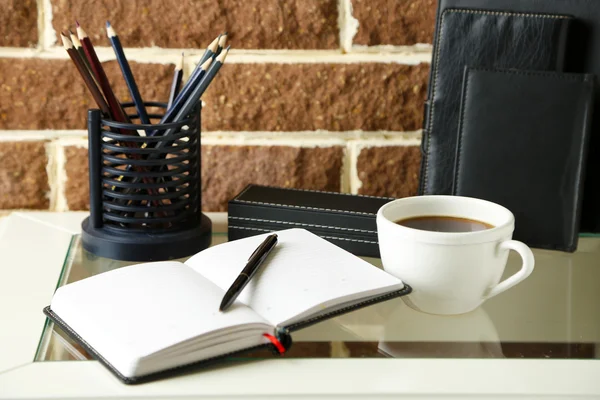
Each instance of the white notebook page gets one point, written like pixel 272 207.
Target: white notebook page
pixel 135 311
pixel 302 272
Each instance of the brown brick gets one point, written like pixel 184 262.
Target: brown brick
pixel 252 24
pixel 226 170
pixel 389 171
pixel 18 23
pixel 336 97
pixel 396 22
pixel 23 178
pixel 77 184
pixel 49 94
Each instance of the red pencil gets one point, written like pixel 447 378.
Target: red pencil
pixel 85 74
pixel 117 111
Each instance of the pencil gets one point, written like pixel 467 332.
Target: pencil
pixel 85 74
pixel 82 55
pixel 118 113
pixel 221 44
pixel 181 100
pixel 203 81
pixel 208 53
pixel 176 84
pixel 210 50
pixel 127 74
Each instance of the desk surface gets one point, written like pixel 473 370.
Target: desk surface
pixel 553 315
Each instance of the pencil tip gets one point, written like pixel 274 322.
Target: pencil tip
pixel 206 64
pixel 222 40
pixel 107 24
pixel 77 24
pixel 221 57
pixel 67 44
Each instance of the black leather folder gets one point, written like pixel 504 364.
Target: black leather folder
pixel 582 56
pixel 523 142
pixel 482 39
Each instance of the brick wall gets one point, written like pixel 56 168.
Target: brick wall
pixel 317 94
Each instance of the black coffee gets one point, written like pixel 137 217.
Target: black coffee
pixel 444 224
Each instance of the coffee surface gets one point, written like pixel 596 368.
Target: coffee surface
pixel 438 223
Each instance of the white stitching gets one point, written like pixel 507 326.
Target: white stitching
pixel 303 207
pixel 301 224
pixel 324 237
pixel 436 65
pixel 319 191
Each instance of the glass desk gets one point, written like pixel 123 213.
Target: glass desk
pixel 554 314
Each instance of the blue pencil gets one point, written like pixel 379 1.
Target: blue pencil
pixel 208 53
pixel 127 74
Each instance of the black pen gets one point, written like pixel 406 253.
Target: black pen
pixel 254 262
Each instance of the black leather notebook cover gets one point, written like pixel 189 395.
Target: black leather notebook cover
pixel 346 220
pixel 583 56
pixel 522 143
pixel 283 335
pixel 483 39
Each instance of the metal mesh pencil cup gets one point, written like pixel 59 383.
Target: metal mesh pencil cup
pixel 145 190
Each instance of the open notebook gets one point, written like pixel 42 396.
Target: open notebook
pixel 151 320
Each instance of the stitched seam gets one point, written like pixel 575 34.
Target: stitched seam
pixel 548 74
pixel 436 72
pixel 461 131
pixel 301 224
pixel 303 207
pixel 324 237
pixel 321 191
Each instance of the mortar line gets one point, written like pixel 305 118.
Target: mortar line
pixel 169 56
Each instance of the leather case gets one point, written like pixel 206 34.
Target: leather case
pixel 522 143
pixel 483 39
pixel 583 56
pixel 346 220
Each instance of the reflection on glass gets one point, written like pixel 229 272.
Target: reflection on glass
pixel 411 333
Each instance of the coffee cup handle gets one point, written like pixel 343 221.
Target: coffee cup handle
pixel 524 272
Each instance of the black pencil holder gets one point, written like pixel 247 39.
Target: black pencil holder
pixel 145 191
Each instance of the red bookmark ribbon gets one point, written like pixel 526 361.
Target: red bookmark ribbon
pixel 275 342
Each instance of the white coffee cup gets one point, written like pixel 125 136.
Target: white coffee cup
pixel 450 272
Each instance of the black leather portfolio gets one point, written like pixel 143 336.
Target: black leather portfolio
pixel 346 220
pixel 582 56
pixel 485 40
pixel 522 142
